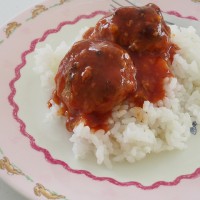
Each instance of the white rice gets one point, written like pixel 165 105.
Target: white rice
pixel 137 132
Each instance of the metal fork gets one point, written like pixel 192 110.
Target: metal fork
pixel 169 19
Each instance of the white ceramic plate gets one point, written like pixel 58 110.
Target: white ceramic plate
pixel 38 155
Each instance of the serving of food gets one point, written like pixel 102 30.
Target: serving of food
pixel 127 88
pixel 102 96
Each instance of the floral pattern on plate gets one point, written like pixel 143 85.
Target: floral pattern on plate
pixel 36 11
pixel 39 189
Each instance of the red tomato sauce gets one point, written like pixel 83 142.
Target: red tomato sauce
pixel 125 57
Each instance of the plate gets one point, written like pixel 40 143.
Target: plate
pixel 36 159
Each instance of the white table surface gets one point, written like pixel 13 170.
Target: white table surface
pixel 8 10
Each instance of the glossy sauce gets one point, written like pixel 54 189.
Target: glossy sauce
pixel 125 57
pixel 144 34
pixel 151 71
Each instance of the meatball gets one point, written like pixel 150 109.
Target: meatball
pixel 137 29
pixel 93 77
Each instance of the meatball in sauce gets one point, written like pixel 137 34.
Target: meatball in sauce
pixel 94 77
pixel 125 57
pixel 138 29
